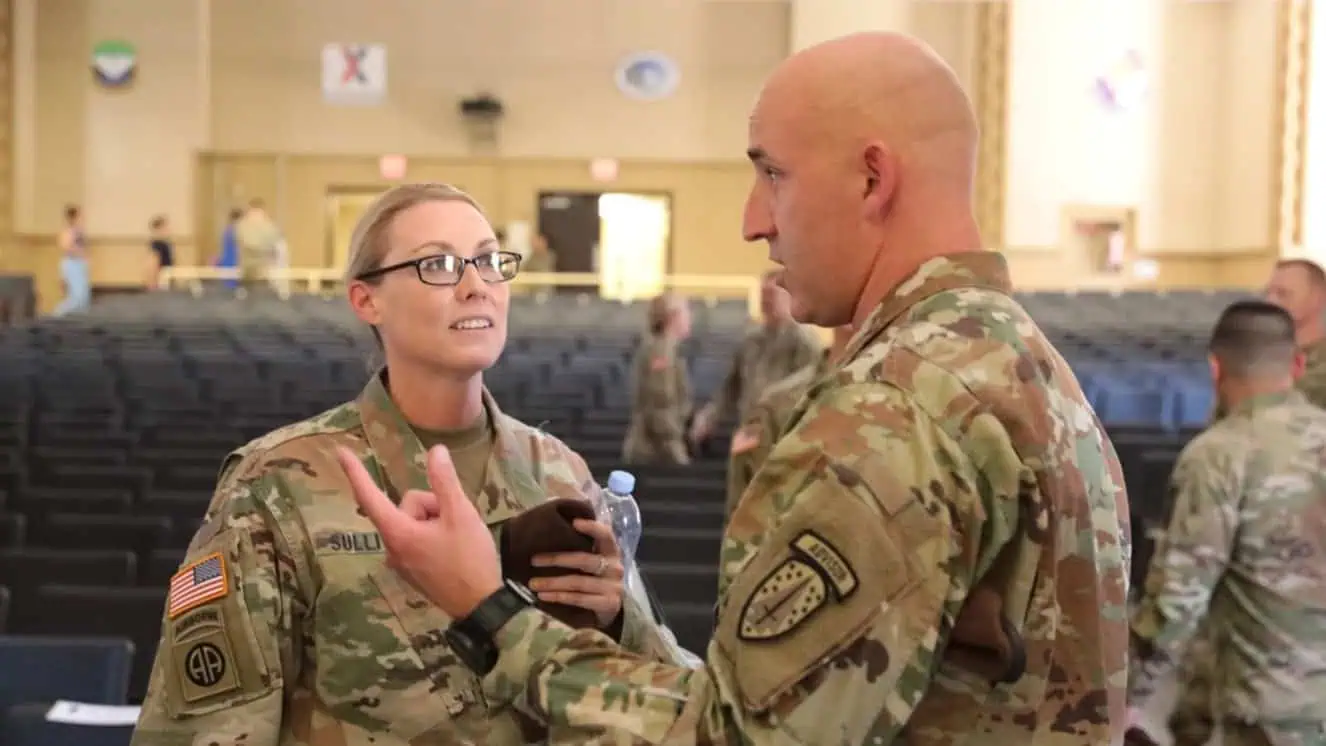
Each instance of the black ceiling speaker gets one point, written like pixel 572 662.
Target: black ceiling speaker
pixel 482 106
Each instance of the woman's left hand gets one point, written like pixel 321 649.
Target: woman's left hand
pixel 601 590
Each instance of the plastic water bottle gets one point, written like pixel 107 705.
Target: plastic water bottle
pixel 622 513
pixel 618 508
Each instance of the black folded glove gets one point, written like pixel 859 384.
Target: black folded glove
pixel 546 529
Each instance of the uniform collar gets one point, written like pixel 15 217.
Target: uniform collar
pixel 511 485
pixel 984 269
pixel 1270 399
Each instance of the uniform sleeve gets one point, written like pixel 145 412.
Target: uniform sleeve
pixel 227 649
pixel 830 617
pixel 750 447
pixel 729 393
pixel 1190 557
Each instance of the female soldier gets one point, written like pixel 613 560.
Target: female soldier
pixel 660 390
pixel 284 626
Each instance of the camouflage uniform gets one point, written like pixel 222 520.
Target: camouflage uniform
pixel 767 354
pixel 764 425
pixel 1243 553
pixel 660 404
pixel 1313 381
pixel 932 554
pixel 286 627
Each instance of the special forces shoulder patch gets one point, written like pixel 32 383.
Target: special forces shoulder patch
pixel 795 589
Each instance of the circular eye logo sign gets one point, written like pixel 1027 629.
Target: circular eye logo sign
pixel 114 63
pixel 648 76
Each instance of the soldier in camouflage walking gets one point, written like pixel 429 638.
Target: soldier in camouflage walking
pixel 767 420
pixel 660 387
pixel 935 552
pixel 770 352
pixel 1243 554
pixel 285 626
pixel 1298 286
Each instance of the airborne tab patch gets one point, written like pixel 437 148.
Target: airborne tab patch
pixel 797 588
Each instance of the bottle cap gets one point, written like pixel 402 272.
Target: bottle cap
pixel 621 482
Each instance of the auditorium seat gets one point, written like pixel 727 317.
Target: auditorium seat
pixel 130 613
pixel 35 501
pixel 13 529
pixel 135 533
pixel 26 570
pixel 114 425
pixel 83 669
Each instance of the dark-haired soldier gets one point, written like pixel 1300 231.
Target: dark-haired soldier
pixel 1244 553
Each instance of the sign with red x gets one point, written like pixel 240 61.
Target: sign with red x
pixel 354 74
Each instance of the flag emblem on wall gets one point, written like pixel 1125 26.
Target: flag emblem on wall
pixel 354 74
pixel 114 63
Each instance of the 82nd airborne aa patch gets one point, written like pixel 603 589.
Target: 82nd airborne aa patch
pixel 796 588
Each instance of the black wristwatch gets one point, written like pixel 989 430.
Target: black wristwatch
pixel 471 638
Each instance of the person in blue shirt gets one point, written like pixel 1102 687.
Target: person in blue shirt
pixel 229 256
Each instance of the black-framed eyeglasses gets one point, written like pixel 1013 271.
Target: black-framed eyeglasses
pixel 445 270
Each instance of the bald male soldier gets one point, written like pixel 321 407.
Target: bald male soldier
pixel 1299 286
pixel 770 352
pixel 934 553
pixel 1244 551
pixel 767 420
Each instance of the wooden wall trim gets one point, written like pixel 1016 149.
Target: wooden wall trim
pixel 991 93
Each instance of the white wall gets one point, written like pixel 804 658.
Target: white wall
pixel 1194 157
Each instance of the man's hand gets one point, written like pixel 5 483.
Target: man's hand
pixel 436 540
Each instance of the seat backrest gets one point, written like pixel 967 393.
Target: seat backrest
pixel 84 669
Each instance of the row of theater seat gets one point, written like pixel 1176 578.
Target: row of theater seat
pixel 112 428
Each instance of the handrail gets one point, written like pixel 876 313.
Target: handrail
pixel 319 279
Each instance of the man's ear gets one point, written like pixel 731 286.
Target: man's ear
pixel 881 170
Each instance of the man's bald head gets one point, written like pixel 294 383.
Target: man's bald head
pixel 1299 286
pixel 865 150
pixel 879 86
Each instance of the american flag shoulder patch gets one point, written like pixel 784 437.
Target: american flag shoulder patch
pixel 197 583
